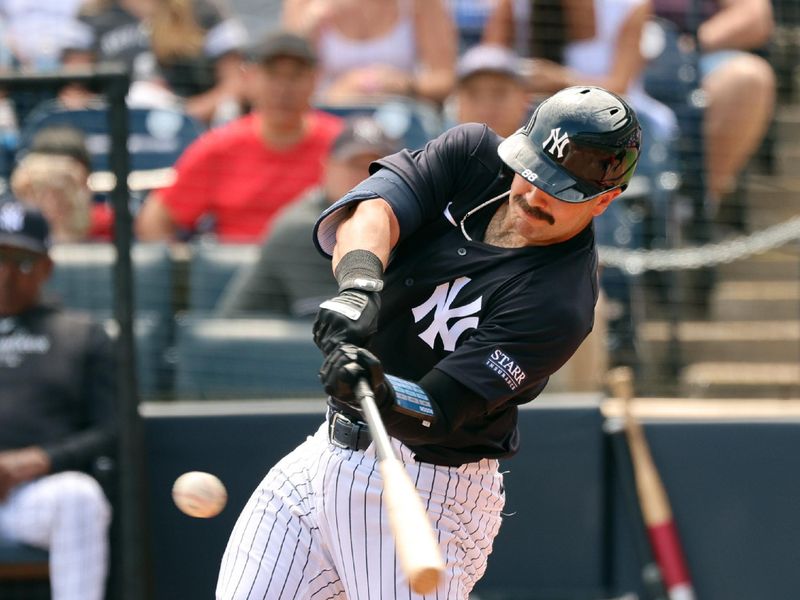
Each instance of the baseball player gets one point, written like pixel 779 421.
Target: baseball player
pixel 57 397
pixel 467 275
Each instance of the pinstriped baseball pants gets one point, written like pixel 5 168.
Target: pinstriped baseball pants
pixel 68 514
pixel 316 527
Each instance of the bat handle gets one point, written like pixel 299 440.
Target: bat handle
pixel 366 398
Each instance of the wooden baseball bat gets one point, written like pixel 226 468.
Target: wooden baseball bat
pixel 652 496
pixel 414 539
pixel 650 573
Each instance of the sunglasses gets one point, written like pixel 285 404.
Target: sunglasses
pixel 23 263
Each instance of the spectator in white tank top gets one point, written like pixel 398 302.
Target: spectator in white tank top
pixel 378 48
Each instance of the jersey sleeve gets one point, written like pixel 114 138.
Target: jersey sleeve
pixel 191 195
pixel 419 184
pixel 99 419
pixel 520 343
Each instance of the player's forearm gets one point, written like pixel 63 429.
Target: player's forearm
pixel 79 450
pixel 371 226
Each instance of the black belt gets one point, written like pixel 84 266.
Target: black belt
pixel 346 432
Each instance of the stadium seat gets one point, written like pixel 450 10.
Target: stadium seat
pixel 157 136
pixel 211 267
pixel 152 339
pixel 411 121
pixel 16 558
pixel 24 572
pixel 83 279
pixel 241 358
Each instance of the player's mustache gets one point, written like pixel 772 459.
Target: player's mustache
pixel 534 211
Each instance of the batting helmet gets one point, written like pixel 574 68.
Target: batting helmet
pixel 579 143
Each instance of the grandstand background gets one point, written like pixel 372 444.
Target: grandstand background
pixel 710 318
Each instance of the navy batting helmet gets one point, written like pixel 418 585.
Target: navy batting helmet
pixel 579 143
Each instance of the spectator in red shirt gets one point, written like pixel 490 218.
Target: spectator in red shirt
pixel 232 180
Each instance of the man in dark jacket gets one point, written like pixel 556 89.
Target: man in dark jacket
pixel 56 415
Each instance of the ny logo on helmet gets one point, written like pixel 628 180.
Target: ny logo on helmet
pixel 557 142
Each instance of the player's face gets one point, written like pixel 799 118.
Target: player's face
pixel 497 100
pixel 22 275
pixel 541 219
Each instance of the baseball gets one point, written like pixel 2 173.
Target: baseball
pixel 199 494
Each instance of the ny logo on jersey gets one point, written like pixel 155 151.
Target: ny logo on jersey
pixel 441 303
pixel 557 142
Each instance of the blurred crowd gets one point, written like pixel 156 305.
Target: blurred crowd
pixel 228 133
pixel 259 106
pixel 247 140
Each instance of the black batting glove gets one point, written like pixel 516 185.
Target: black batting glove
pixel 352 316
pixel 345 366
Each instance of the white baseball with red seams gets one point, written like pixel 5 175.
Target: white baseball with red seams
pixel 199 494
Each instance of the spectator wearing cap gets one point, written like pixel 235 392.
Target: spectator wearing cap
pixel 54 177
pixel 233 179
pixel 57 418
pixel 178 51
pixel 491 89
pixel 290 277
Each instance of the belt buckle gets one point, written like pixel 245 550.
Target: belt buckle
pixel 338 416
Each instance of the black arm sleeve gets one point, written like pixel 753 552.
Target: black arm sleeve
pixel 453 403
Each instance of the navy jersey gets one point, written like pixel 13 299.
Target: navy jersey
pixel 57 387
pixel 499 321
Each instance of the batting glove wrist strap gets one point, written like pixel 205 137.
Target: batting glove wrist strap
pixel 352 316
pixel 360 270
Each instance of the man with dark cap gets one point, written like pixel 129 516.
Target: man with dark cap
pixel 491 89
pixel 56 415
pixel 233 180
pixel 290 278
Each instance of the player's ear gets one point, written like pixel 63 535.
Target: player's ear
pixel 604 200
